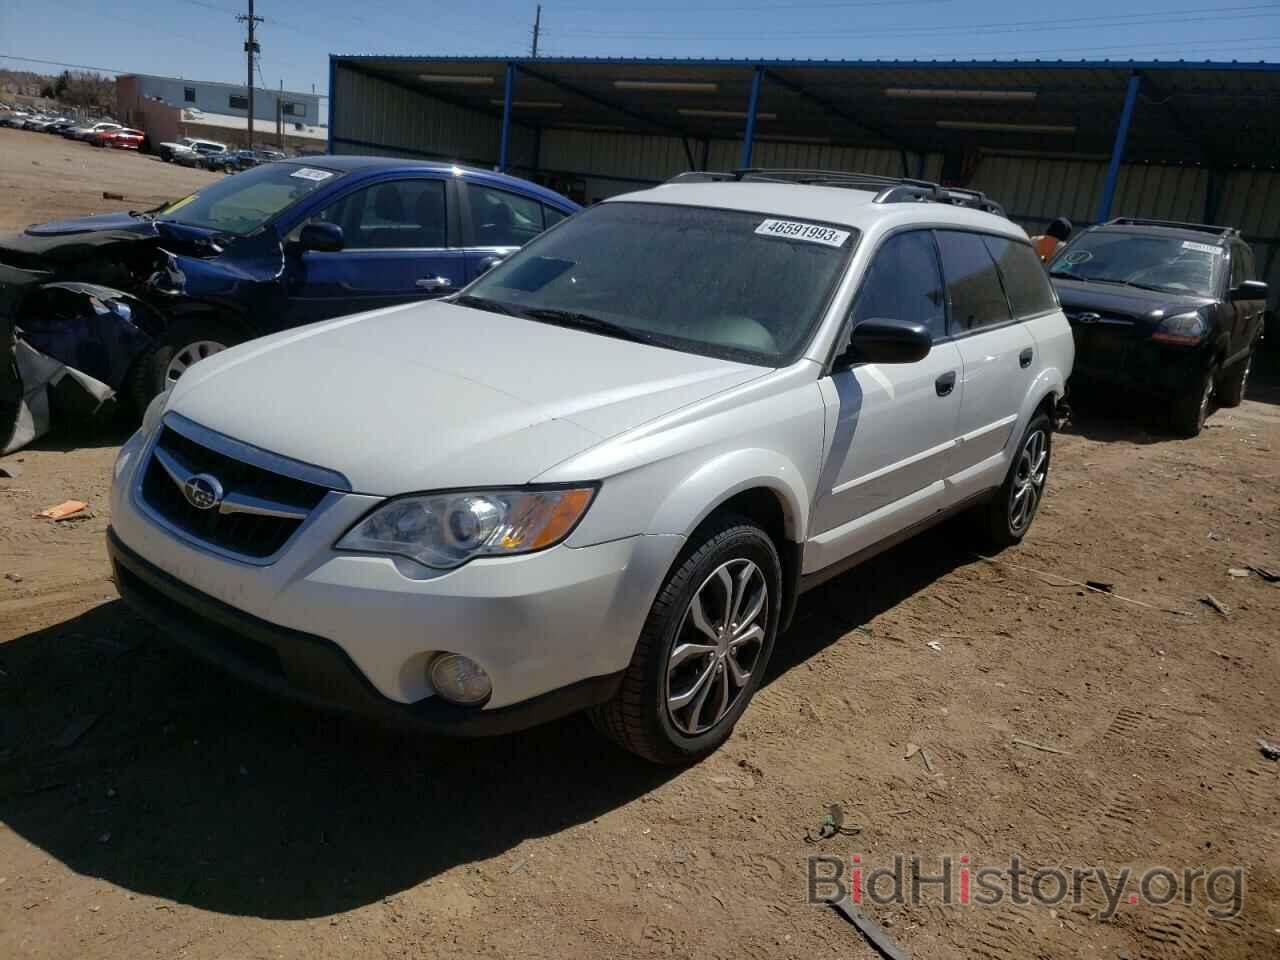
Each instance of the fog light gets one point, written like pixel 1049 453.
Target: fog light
pixel 460 679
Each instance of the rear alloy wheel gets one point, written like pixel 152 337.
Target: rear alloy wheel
pixel 1192 409
pixel 1006 518
pixel 1231 388
pixel 704 648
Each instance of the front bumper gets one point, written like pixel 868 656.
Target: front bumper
pixel 1136 362
pixel 311 669
pixel 537 623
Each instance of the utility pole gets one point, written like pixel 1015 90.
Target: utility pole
pixel 251 51
pixel 537 27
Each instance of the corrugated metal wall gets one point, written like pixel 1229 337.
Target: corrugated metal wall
pixel 621 162
pixel 372 116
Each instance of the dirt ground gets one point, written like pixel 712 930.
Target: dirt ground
pixel 44 177
pixel 150 807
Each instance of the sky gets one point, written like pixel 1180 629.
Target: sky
pixel 201 39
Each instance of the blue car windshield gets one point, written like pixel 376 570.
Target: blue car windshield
pixel 243 203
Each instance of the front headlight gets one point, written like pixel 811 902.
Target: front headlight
pixel 155 410
pixel 445 530
pixel 1184 328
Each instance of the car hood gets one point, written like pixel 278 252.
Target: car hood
pixel 1120 302
pixel 433 395
pixel 69 241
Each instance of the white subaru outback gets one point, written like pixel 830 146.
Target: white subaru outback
pixel 600 476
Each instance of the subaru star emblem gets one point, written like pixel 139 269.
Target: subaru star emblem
pixel 202 491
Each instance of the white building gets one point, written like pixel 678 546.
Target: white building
pixel 135 90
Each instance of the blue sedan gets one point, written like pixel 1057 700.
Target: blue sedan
pixel 130 301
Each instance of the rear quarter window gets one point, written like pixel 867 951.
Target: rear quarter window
pixel 1025 280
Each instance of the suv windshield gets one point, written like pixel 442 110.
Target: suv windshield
pixel 743 286
pixel 1169 264
pixel 243 203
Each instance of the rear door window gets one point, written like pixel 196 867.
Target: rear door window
pixel 974 290
pixel 500 218
pixel 1025 279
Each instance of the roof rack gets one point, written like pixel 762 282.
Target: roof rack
pixel 887 189
pixel 1175 224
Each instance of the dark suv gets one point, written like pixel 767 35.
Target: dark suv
pixel 1170 309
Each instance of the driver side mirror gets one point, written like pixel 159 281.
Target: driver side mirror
pixel 882 340
pixel 1249 290
pixel 321 237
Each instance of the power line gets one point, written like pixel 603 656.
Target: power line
pixel 735 8
pixel 59 63
pixel 1026 26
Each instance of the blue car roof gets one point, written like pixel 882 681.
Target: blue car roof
pixel 370 165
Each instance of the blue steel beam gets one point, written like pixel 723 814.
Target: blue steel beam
pixel 1117 151
pixel 748 139
pixel 506 117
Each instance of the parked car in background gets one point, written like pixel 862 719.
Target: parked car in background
pixel 15 118
pixel 59 126
pixel 132 300
pixel 234 161
pixel 87 130
pixel 190 151
pixel 125 138
pixel 1174 310
pixel 641 438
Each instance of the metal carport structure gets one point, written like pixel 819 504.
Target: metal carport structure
pixel 1085 139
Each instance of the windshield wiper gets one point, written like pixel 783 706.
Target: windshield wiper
pixel 484 303
pixel 584 321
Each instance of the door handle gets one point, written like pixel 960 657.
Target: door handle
pixel 945 383
pixel 1024 358
pixel 434 283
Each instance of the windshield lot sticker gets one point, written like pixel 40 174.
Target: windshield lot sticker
pixel 310 173
pixel 808 232
pixel 1201 247
pixel 1080 256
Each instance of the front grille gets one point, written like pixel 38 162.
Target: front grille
pixel 251 535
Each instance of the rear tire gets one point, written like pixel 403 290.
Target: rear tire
pixel 696 667
pixel 1192 408
pixel 1231 388
pixel 1005 519
pixel 182 345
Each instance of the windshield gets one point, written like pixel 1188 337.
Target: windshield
pixel 1169 264
pixel 743 286
pixel 243 203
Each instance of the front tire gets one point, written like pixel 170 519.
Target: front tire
pixel 704 648
pixel 173 353
pixel 1007 517
pixel 1192 408
pixel 1231 388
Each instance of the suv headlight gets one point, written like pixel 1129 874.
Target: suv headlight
pixel 1184 328
pixel 445 530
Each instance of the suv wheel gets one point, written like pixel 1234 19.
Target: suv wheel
pixel 704 648
pixel 1230 389
pixel 173 353
pixel 1007 517
pixel 1192 408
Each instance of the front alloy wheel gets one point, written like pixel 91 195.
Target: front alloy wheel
pixel 184 357
pixel 704 647
pixel 717 647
